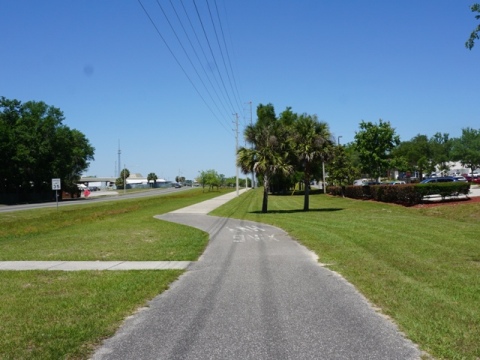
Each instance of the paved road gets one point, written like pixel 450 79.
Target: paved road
pixel 255 294
pixel 96 196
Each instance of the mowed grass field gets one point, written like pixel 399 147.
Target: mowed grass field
pixel 420 266
pixel 65 315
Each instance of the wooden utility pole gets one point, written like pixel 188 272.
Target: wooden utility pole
pixel 236 149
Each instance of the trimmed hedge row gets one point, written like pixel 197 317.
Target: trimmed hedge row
pixel 407 195
pixel 444 189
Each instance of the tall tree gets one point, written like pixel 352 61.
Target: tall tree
pixel 202 179
pixel 152 177
pixel 474 35
pixel 312 144
pixel 121 181
pixel 414 155
pixel 341 169
pixel 268 154
pixel 374 143
pixel 36 146
pixel 10 116
pixel 466 149
pixel 213 179
pixel 281 182
pixel 208 178
pixel 222 179
pixel 441 146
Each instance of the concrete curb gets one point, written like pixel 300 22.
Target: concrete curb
pixel 93 265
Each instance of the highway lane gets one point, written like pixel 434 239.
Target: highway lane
pixel 96 197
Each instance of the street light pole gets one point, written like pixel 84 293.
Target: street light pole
pixel 338 139
pixel 236 150
pixel 251 146
pixel 124 181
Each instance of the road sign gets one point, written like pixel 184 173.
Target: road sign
pixel 56 184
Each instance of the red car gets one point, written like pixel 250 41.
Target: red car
pixel 475 179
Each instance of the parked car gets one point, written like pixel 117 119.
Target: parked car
pixel 397 182
pixel 365 182
pixel 438 180
pixel 470 179
pixel 460 178
pixel 360 182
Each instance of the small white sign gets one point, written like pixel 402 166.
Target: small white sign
pixel 56 184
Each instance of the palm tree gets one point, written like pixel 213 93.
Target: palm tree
pixel 121 181
pixel 269 154
pixel 312 144
pixel 154 177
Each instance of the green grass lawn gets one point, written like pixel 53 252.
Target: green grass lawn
pixel 419 266
pixel 64 315
pixel 116 230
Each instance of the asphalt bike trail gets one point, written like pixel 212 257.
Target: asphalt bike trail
pixel 256 293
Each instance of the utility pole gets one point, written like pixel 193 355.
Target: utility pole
pixel 323 171
pixel 253 171
pixel 124 181
pixel 119 161
pixel 246 175
pixel 236 149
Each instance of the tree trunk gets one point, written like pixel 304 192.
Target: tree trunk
pixel 306 200
pixel 265 195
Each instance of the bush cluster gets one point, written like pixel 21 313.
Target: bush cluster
pixel 444 189
pixel 407 195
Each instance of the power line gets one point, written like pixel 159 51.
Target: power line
pixel 187 55
pixel 203 50
pixel 195 51
pixel 225 14
pixel 228 55
pixel 213 56
pixel 222 92
pixel 220 48
pixel 180 65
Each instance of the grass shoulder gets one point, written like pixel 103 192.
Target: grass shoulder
pixel 115 230
pixel 64 315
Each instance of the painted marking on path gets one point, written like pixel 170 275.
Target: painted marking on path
pixel 242 234
pixel 238 238
pixel 245 229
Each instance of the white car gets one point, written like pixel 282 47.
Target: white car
pixel 360 182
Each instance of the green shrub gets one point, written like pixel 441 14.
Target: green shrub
pixel 443 189
pixel 353 192
pixel 407 195
pixel 398 194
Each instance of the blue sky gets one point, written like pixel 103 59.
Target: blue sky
pixel 106 67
